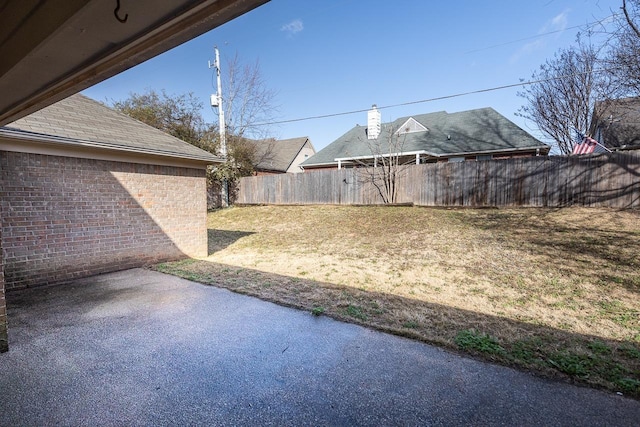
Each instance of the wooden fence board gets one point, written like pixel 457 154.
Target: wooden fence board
pixel 610 180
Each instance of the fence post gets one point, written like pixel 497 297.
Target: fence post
pixel 610 180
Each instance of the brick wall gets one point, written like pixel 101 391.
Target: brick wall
pixel 3 303
pixel 64 218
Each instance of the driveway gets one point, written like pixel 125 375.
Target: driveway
pixel 139 347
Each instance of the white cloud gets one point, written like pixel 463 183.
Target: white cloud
pixel 556 25
pixel 293 27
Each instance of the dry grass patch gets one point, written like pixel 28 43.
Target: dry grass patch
pixel 549 290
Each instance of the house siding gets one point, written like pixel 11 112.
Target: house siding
pixel 306 152
pixel 64 218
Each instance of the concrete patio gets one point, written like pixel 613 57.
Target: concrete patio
pixel 138 347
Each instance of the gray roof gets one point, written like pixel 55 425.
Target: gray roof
pixel 277 155
pixel 468 132
pixel 618 126
pixel 81 121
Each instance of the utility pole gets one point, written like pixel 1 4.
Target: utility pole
pixel 216 101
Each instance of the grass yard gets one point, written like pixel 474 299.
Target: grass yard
pixel 554 291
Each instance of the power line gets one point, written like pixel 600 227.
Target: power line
pixel 522 39
pixel 588 25
pixel 422 101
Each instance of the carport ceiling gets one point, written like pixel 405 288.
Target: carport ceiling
pixel 50 49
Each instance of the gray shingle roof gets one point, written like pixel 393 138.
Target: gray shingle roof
pixel 619 123
pixel 477 131
pixel 277 155
pixel 81 121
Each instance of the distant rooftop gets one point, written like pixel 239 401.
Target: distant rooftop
pixel 619 123
pixel 438 134
pixel 278 155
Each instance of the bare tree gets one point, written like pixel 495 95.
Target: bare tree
pixel 384 164
pixel 561 101
pixel 632 15
pixel 248 101
pixel 623 59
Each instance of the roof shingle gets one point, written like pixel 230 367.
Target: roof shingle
pixel 277 155
pixel 475 131
pixel 81 121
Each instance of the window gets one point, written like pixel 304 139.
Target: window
pixel 484 157
pixel 456 159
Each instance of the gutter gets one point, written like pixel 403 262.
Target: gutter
pixel 543 149
pixel 53 140
pixel 517 150
pixel 339 160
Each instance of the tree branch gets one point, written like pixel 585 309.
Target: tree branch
pixel 628 18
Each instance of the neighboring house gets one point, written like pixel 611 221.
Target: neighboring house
pixel 282 156
pixel 87 190
pixel 616 124
pixel 480 134
pixel 273 157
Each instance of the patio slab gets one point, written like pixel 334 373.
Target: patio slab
pixel 138 347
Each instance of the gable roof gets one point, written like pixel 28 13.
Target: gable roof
pixel 81 122
pixel 480 131
pixel 410 126
pixel 618 126
pixel 278 155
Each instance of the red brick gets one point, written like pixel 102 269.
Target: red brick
pixel 67 217
pixel 4 338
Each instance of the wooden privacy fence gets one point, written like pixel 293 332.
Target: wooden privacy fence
pixel 609 180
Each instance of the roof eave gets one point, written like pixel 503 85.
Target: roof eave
pixel 16 140
pixel 510 150
pixel 375 156
pixel 275 171
pixel 318 164
pixel 543 149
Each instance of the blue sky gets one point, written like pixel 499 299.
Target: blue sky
pixel 330 56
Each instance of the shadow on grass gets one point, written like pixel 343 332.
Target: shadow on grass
pixel 581 247
pixel 551 352
pixel 221 239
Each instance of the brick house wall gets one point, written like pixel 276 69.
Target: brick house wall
pixel 66 217
pixel 4 339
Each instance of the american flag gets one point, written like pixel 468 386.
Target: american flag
pixel 587 146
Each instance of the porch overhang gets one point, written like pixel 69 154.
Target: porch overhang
pixel 51 49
